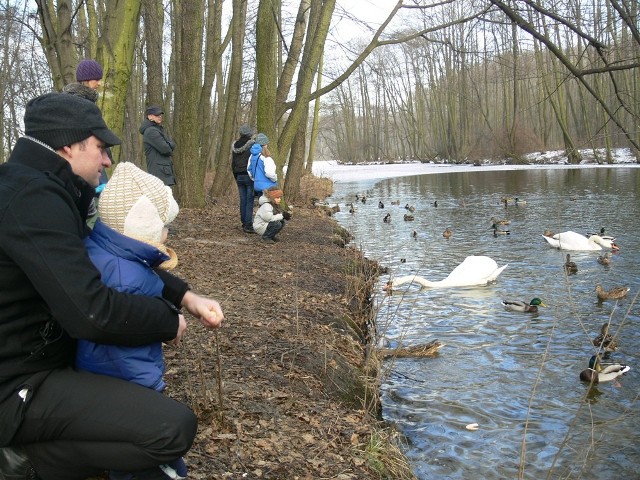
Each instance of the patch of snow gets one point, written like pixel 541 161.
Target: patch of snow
pixel 368 172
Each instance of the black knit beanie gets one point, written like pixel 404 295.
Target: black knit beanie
pixel 59 119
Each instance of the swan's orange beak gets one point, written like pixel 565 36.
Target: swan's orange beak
pixel 614 246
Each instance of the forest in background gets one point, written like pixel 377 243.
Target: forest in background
pixel 436 80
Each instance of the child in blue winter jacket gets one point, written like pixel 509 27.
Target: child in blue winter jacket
pixel 261 167
pixel 126 243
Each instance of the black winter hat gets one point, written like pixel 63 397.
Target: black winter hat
pixel 59 119
pixel 154 110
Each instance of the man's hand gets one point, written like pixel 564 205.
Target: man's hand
pixel 206 310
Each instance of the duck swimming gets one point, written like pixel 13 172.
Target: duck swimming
pixel 473 271
pixel 387 218
pixel 520 306
pixel 575 241
pixel 602 234
pixel 447 233
pixel 605 340
pixel 616 293
pixel 570 267
pixel 498 231
pixel 408 217
pixel 605 259
pixel 596 373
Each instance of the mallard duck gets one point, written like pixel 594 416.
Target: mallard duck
pixel 497 221
pixel 473 271
pixel 352 209
pixel 414 234
pixel 605 340
pixel 408 217
pixel 387 218
pixel 575 241
pixel 435 204
pixel 447 233
pixel 548 233
pixel 363 199
pixel 498 231
pixel 605 259
pixel 395 202
pixel 520 202
pixel 616 293
pixel 570 267
pixel 380 204
pixel 520 306
pixel 596 373
pixel 602 234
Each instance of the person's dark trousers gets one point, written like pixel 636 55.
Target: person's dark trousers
pixel 78 424
pixel 272 229
pixel 245 190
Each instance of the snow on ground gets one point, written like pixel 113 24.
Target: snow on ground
pixel 539 160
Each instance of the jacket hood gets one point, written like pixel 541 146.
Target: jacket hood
pixel 263 199
pixel 256 148
pixel 242 144
pixel 146 123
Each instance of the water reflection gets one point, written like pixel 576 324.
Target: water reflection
pixel 514 374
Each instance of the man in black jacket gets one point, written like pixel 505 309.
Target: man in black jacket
pixel 158 147
pixel 69 424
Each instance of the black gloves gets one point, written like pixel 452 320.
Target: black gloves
pixel 286 215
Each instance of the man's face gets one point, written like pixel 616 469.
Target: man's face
pixel 156 118
pixel 87 159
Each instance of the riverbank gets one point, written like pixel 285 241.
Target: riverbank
pixel 280 390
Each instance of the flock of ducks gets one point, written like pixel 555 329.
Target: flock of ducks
pixel 481 270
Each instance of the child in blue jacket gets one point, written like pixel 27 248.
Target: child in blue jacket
pixel 126 243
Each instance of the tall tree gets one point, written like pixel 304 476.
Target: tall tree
pixel 190 166
pixel 223 178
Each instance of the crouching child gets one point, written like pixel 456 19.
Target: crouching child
pixel 269 218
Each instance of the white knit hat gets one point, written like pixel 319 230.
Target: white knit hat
pixel 136 203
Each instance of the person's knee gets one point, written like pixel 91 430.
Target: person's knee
pixel 178 433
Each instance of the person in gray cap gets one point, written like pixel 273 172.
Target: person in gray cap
pixel 240 153
pixel 158 147
pixel 57 423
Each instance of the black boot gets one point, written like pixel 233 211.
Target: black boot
pixel 14 465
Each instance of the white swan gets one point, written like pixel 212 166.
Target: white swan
pixel 475 270
pixel 575 241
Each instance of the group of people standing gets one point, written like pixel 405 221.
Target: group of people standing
pixel 256 175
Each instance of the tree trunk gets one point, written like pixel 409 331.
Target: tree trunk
pixel 188 161
pixel 223 176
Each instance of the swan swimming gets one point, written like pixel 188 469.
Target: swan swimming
pixel 475 270
pixel 575 241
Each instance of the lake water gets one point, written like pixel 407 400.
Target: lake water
pixel 514 374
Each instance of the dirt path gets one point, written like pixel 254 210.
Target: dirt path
pixel 285 358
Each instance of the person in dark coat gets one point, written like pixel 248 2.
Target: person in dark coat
pixel 57 423
pixel 158 147
pixel 240 154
